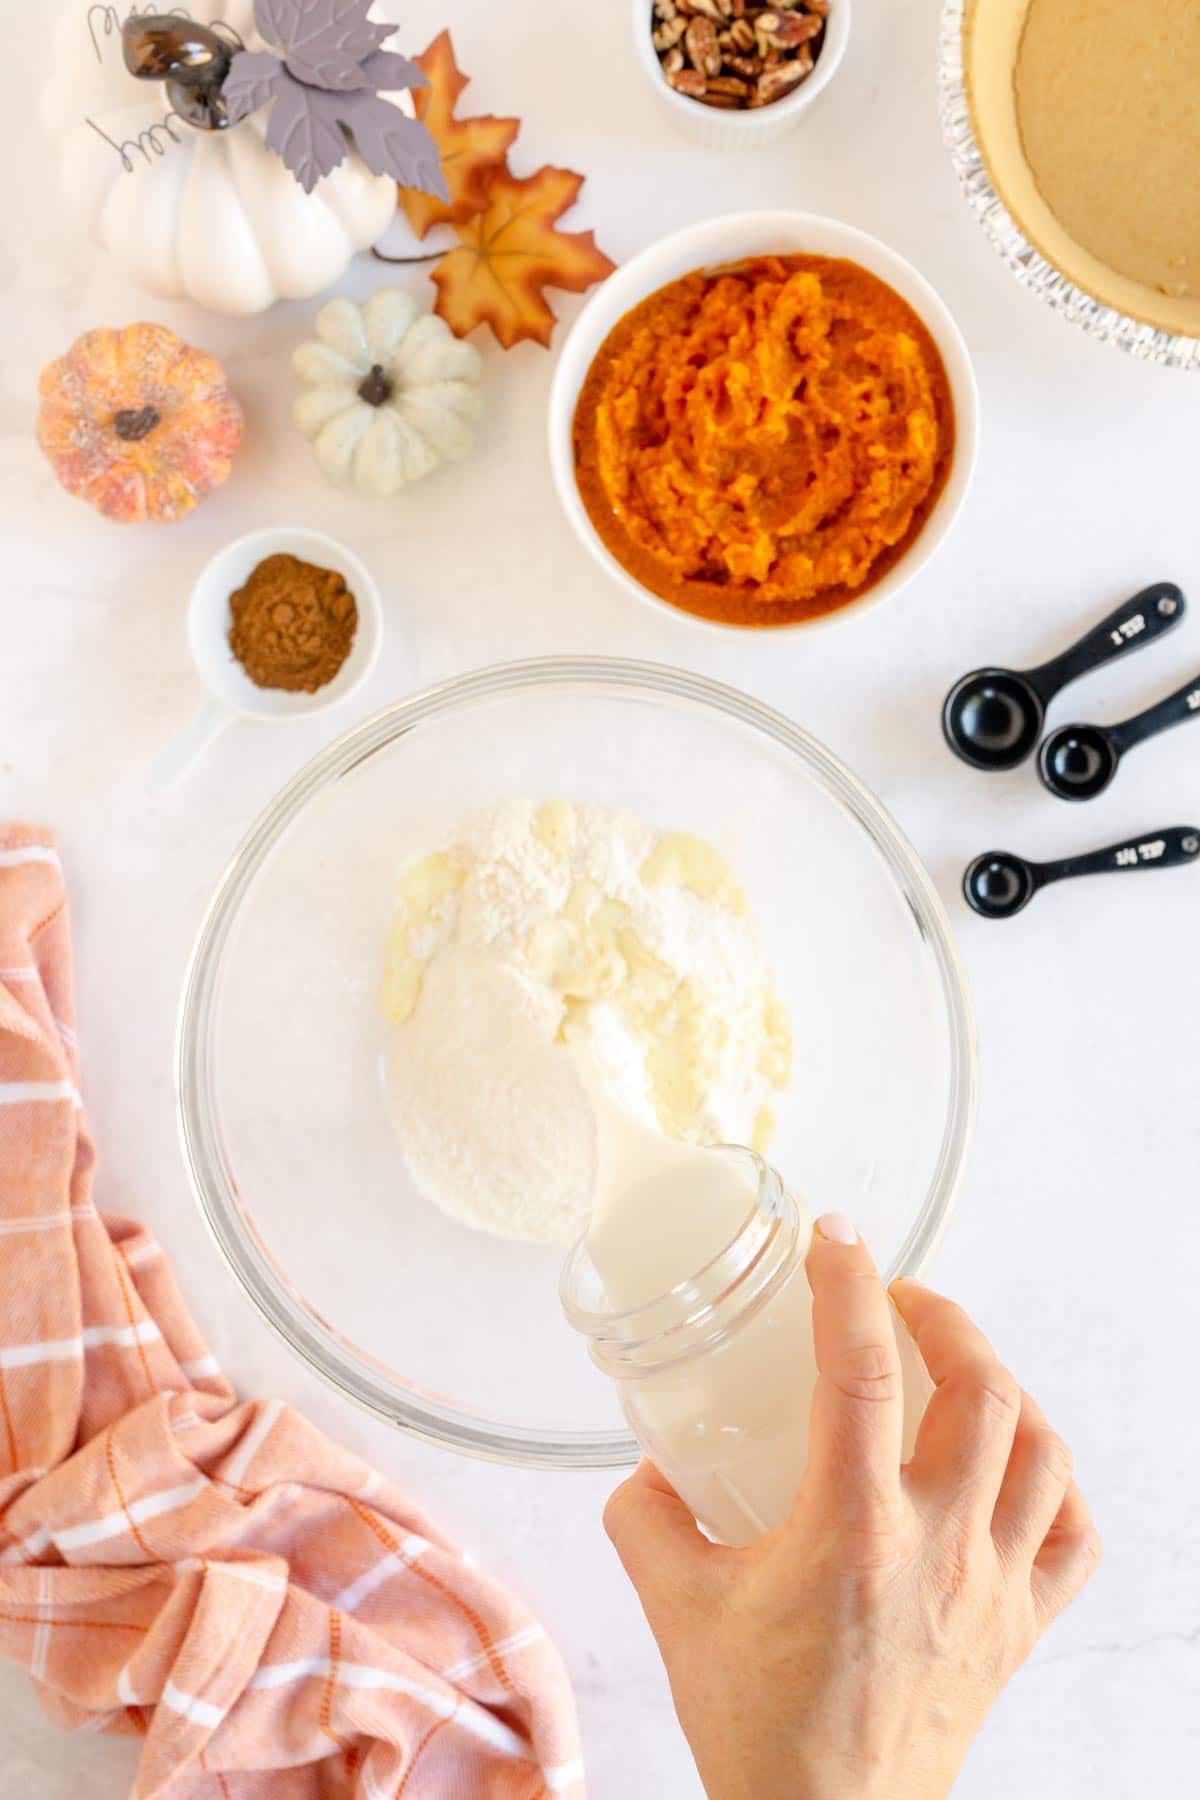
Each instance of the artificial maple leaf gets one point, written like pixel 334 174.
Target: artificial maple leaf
pixel 471 149
pixel 510 251
pixel 325 40
pixel 386 71
pixel 254 78
pixel 304 134
pixel 388 139
pixel 325 80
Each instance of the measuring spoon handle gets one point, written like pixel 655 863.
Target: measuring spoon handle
pixel 1158 608
pixel 1167 849
pixel 1176 709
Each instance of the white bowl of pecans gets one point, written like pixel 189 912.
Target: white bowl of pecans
pixel 736 74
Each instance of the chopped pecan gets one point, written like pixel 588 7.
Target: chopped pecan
pixel 704 52
pixel 708 9
pixel 783 78
pixel 741 33
pixel 729 84
pixel 668 35
pixel 725 101
pixel 690 82
pixel 785 31
pixel 664 9
pixel 673 61
pixel 749 66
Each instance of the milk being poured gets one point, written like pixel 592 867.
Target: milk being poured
pixel 692 1288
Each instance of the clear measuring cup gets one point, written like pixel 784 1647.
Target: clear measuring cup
pixel 716 1374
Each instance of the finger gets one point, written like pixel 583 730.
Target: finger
pixel 857 1412
pixel 1034 1487
pixel 1066 1559
pixel 966 1437
pixel 662 1549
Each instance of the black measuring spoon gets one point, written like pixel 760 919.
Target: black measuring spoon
pixel 999 883
pixel 1077 762
pixel 993 718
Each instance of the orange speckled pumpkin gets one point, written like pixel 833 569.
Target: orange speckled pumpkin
pixel 137 423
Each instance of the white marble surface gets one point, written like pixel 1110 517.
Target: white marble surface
pixel 1076 1242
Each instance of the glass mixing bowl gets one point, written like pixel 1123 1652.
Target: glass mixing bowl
pixel 458 1336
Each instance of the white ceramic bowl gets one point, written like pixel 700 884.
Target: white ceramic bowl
pixel 231 693
pixel 755 126
pixel 731 239
pixel 209 620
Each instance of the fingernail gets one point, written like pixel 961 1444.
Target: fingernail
pixel 837 1229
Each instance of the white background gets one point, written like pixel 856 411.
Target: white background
pixel 1076 1243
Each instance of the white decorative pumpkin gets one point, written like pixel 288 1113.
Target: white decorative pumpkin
pixel 390 392
pixel 209 216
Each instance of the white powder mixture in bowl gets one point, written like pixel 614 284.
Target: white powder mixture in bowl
pixel 543 930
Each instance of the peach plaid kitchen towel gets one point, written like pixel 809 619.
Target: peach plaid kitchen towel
pixel 263 1609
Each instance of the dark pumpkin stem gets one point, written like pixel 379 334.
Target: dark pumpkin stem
pixel 135 422
pixel 375 388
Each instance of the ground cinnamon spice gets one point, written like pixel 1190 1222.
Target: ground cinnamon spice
pixel 293 624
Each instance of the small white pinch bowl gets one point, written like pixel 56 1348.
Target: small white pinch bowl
pixel 752 127
pixel 231 693
pixel 734 238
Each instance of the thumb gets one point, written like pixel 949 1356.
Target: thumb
pixel 663 1550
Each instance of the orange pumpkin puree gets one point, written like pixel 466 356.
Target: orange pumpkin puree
pixel 760 443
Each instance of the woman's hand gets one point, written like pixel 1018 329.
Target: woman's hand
pixel 853 1654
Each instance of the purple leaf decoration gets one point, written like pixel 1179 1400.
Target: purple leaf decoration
pixel 303 130
pixel 386 71
pixel 390 143
pixel 252 80
pixel 324 42
pixel 325 80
